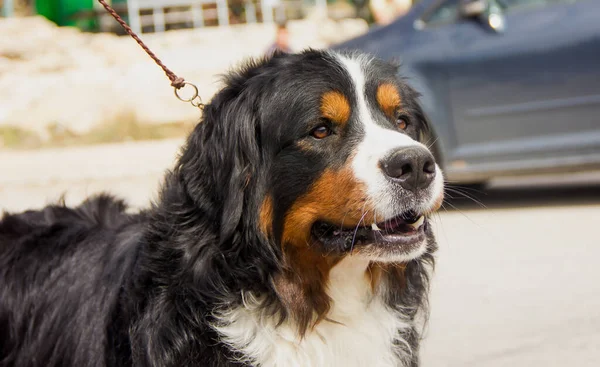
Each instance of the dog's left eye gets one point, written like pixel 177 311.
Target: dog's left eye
pixel 321 132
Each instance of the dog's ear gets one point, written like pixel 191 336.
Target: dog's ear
pixel 425 132
pixel 425 128
pixel 221 157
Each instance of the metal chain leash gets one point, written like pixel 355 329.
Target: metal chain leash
pixel 176 82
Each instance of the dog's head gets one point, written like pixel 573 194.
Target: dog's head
pixel 322 155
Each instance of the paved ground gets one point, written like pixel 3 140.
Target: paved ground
pixel 517 283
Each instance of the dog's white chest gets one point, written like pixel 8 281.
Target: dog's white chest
pixel 362 339
pixel 360 334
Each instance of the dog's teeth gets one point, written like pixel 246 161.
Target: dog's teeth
pixel 374 227
pixel 418 223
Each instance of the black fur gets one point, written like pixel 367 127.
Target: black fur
pixel 96 286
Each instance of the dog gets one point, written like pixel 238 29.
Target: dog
pixel 294 230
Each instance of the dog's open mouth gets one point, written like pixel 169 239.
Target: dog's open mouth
pixel 406 229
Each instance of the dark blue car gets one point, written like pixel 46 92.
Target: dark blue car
pixel 511 86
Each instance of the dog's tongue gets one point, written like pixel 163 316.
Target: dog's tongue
pixel 400 223
pixel 393 224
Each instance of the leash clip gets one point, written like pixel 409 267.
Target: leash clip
pixel 195 99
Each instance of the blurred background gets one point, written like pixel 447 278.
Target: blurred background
pixel 512 89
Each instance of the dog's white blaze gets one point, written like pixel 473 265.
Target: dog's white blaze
pixel 376 144
pixel 360 329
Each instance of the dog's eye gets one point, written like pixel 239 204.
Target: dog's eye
pixel 402 122
pixel 321 132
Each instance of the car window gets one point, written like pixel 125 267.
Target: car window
pixel 515 4
pixel 510 5
pixel 447 12
pixel 444 13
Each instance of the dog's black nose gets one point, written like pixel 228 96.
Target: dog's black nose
pixel 413 168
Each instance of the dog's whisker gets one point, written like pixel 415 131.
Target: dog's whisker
pixel 356 231
pixel 465 195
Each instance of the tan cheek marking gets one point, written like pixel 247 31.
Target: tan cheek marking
pixel 266 216
pixel 336 197
pixel 304 146
pixel 339 198
pixel 301 286
pixel 438 203
pixel 335 107
pixel 389 99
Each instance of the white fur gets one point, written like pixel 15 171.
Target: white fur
pixel 376 144
pixel 359 331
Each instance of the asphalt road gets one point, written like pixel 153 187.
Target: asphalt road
pixel 517 282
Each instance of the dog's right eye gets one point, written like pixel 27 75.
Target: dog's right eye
pixel 321 132
pixel 402 122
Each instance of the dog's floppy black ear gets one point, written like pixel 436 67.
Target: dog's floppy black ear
pixel 221 156
pixel 426 132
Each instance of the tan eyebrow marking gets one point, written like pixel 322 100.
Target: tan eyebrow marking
pixel 335 107
pixel 388 98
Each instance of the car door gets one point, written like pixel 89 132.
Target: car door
pixel 527 98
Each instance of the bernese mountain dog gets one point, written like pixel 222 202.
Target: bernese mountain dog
pixel 294 230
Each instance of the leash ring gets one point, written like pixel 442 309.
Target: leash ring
pixel 197 102
pixel 194 95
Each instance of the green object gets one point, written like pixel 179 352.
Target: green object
pixel 68 12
